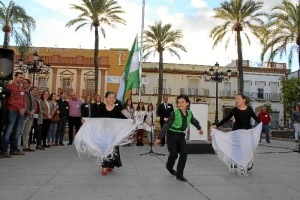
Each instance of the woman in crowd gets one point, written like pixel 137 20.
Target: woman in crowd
pixel 96 107
pixel 55 118
pixel 110 110
pixel 47 110
pixel 128 109
pixel 37 119
pixel 86 107
pixel 150 123
pixel 139 117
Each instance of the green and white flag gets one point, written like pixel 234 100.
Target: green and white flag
pixel 131 76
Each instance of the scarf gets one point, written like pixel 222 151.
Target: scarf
pixel 236 148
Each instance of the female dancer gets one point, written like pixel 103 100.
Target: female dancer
pixel 110 110
pixel 242 114
pixel 175 127
pixel 139 117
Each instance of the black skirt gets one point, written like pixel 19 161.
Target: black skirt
pixel 114 161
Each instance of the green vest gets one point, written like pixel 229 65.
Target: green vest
pixel 177 124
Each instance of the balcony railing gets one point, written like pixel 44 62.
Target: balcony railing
pixel 166 91
pixel 227 93
pixel 274 97
pixel 261 96
pixel 194 91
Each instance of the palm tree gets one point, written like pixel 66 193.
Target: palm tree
pixel 285 23
pixel 238 16
pixel 12 16
pixel 95 13
pixel 158 39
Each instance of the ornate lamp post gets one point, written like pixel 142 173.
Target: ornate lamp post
pixel 36 67
pixel 215 75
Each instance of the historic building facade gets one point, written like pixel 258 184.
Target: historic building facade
pixel 73 70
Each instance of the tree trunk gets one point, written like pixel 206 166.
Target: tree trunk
pixel 240 64
pixel 96 59
pixel 160 77
pixel 6 39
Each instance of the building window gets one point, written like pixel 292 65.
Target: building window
pixel 42 83
pixel 66 83
pixel 260 93
pixel 90 87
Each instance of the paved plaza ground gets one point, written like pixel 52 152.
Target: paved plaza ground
pixel 59 174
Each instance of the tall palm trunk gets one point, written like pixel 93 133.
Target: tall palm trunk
pixel 6 39
pixel 96 59
pixel 240 63
pixel 160 77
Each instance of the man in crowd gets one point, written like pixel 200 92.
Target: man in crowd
pixel 4 93
pixel 63 107
pixel 164 110
pixel 28 116
pixel 265 118
pixel 16 105
pixel 74 115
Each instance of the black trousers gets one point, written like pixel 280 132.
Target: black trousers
pixel 163 140
pixel 45 129
pixel 73 121
pixel 177 145
pixel 37 131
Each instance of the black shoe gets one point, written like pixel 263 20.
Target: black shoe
pixel 172 171
pixel 61 144
pixel 69 143
pixel 162 145
pixel 268 142
pixel 181 178
pixel 249 169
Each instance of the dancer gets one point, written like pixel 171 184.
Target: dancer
pixel 175 127
pixel 239 156
pixel 110 110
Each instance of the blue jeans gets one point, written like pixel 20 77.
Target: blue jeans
pixel 266 129
pixel 15 124
pixel 61 126
pixel 52 132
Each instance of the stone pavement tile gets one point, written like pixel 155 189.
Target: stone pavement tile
pixel 17 192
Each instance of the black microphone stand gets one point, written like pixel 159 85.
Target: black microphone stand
pixel 151 152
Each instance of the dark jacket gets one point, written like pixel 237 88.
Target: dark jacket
pixel 4 93
pixel 163 112
pixel 63 108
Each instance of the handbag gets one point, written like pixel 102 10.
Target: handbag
pixel 55 117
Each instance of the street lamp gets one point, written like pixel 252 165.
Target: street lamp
pixel 214 75
pixel 36 67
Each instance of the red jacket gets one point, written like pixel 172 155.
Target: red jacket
pixel 17 100
pixel 265 118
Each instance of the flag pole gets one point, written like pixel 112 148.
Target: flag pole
pixel 141 48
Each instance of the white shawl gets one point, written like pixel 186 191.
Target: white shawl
pixel 236 148
pixel 98 137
